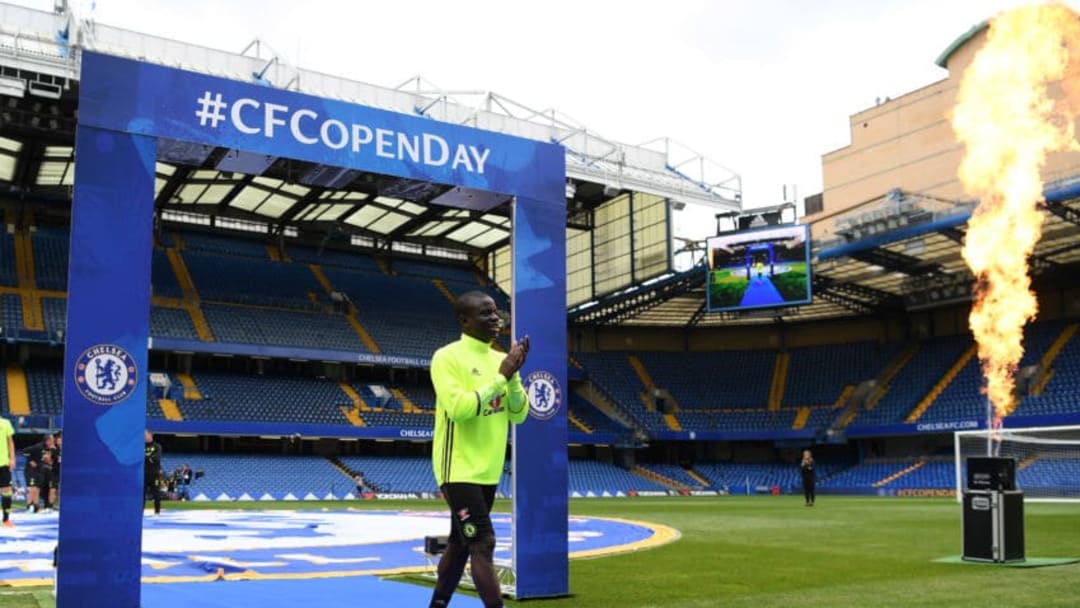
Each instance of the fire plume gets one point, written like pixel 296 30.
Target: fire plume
pixel 1018 101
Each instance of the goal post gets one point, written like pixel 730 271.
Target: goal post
pixel 1047 459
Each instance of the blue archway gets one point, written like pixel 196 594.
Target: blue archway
pixel 125 108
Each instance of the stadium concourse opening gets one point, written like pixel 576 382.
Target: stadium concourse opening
pixel 131 114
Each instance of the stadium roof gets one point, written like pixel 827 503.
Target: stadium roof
pixel 943 59
pixel 896 255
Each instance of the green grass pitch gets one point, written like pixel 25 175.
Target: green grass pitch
pixel 765 552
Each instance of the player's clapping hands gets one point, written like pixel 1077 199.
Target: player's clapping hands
pixel 514 359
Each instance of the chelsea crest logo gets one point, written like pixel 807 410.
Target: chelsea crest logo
pixel 105 374
pixel 544 393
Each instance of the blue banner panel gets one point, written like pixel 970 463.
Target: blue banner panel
pixel 105 370
pixel 289 429
pixel 951 426
pixel 540 467
pixel 134 97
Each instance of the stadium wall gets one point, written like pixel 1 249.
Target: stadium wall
pixel 908 143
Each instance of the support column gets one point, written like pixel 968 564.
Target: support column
pixel 105 370
pixel 540 461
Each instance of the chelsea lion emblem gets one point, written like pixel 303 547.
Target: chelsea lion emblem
pixel 106 374
pixel 544 393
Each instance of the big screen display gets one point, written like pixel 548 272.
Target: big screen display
pixel 760 268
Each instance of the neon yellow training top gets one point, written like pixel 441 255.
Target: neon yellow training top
pixel 6 432
pixel 474 405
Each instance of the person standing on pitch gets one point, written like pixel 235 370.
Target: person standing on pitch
pixel 152 471
pixel 54 482
pixel 478 393
pixel 35 471
pixel 7 468
pixel 808 479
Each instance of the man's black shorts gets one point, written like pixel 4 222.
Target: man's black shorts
pixel 37 478
pixel 470 510
pixel 5 476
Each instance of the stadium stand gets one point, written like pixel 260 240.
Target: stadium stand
pixel 55 311
pixel 248 298
pixel 173 323
pixel 256 325
pixel 265 398
pixel 50 245
pixel 8 273
pixel 612 372
pixel 749 478
pixel 46 385
pixel 590 477
pixel 398 419
pixel 153 407
pixel 404 315
pixel 5 407
pixel 961 401
pixel 162 276
pixel 819 418
pixel 1058 396
pixel 1049 473
pixel 673 472
pixel 891 474
pixel 914 381
pixel 332 257
pixel 278 477
pixel 681 373
pixel 817 374
pixel 222 244
pixel 12 315
pixel 394 474
pixel 257 281
pixel 427 270
pixel 421 395
pixel 747 419
pixel 595 420
pixel 932 473
pixel 456 287
pixel 164 322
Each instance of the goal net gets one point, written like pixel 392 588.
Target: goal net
pixel 1047 458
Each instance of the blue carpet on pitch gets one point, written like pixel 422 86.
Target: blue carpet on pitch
pixel 343 592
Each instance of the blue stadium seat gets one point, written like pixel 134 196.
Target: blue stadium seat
pixel 162 276
pixel 8 273
pixel 12 320
pixel 236 397
pixel 405 316
pixel 50 257
pixel 590 476
pixel 914 381
pixel 277 476
pixel 351 260
pixel 45 386
pixel 257 281
pixel 232 245
pixel 394 474
pixel 250 325
pixel 818 374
